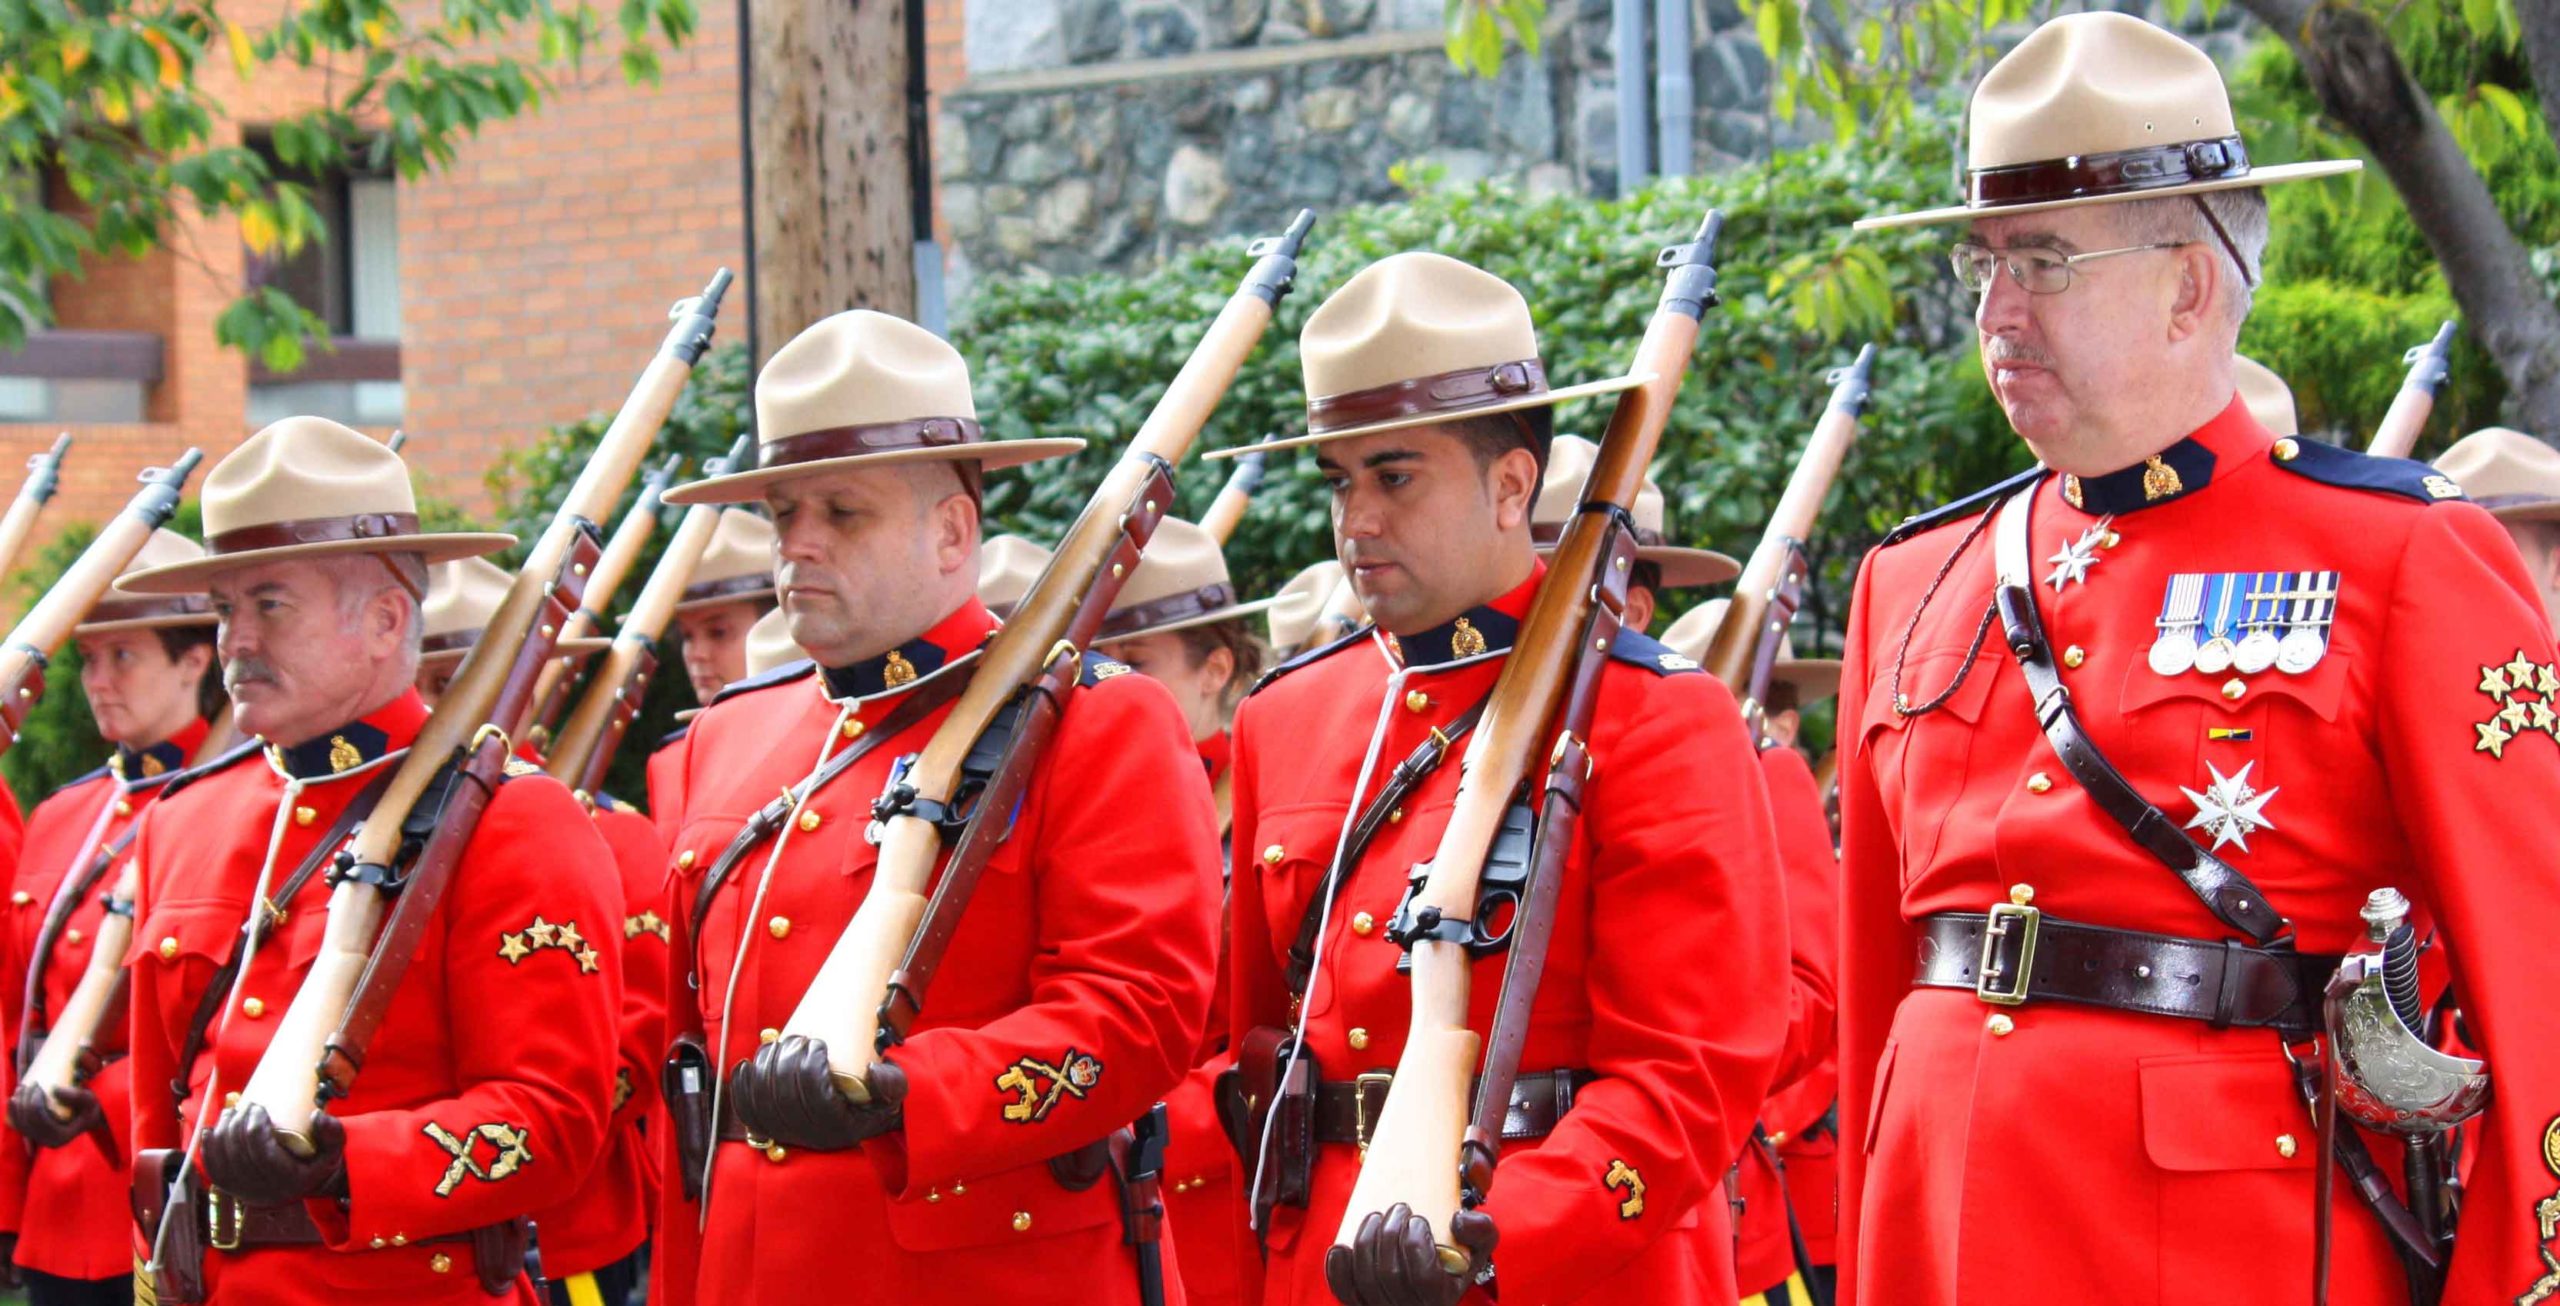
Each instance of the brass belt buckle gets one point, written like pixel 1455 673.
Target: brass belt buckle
pixel 2005 919
pixel 1360 1104
pixel 214 1200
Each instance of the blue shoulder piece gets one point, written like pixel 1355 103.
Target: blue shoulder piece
pixel 1307 658
pixel 227 758
pixel 2353 469
pixel 80 779
pixel 1636 648
pixel 791 670
pixel 1977 501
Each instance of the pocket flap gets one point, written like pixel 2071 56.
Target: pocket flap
pixel 1927 675
pixel 1012 1208
pixel 2207 1113
pixel 206 929
pixel 2318 690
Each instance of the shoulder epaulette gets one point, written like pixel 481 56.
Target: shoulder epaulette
pixel 2354 469
pixel 227 758
pixel 1098 668
pixel 1944 513
pixel 1307 658
pixel 792 670
pixel 77 781
pixel 1636 648
pixel 674 737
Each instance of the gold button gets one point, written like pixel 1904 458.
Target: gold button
pixel 2074 656
pixel 1182 1185
pixel 169 948
pixel 1778 1138
pixel 22 898
pixel 933 1194
pixel 2000 1025
pixel 774 1152
pixel 2112 539
pixel 2286 450
pixel 72 936
pixel 1364 924
pixel 2022 894
pixel 809 819
pixel 231 1099
pixel 959 1190
pixel 1395 817
pixel 1359 1040
pixel 684 860
pixel 1416 701
pixel 378 1244
pixel 768 1035
pixel 124 807
pixel 2285 1146
pixel 2039 782
pixel 304 816
pixel 779 927
pixel 1271 856
pixel 252 1008
pixel 851 729
pixel 399 1240
pixel 2233 688
pixel 1022 1222
pixel 440 1263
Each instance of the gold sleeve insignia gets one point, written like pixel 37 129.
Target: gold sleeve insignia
pixel 1037 1086
pixel 2546 1216
pixel 647 922
pixel 517 945
pixel 2525 697
pixel 507 1153
pixel 1622 1175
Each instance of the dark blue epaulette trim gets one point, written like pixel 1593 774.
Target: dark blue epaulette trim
pixel 77 781
pixel 1636 648
pixel 791 670
pixel 674 736
pixel 1978 500
pixel 227 758
pixel 2354 469
pixel 1096 668
pixel 1310 656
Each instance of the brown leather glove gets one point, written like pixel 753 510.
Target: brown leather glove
pixel 1393 1260
pixel 786 1094
pixel 32 1116
pixel 244 1157
pixel 9 1262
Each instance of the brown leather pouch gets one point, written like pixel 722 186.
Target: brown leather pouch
pixel 498 1251
pixel 1084 1167
pixel 686 1082
pixel 1246 1097
pixel 157 1193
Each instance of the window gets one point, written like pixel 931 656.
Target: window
pixel 351 281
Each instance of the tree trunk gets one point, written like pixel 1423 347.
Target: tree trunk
pixel 827 125
pixel 2540 20
pixel 2361 82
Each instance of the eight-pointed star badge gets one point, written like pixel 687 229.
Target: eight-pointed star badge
pixel 2229 808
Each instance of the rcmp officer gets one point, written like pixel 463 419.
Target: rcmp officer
pixel 1078 979
pixel 1660 564
pixel 1638 1078
pixel 1315 608
pixel 487 1091
pixel 596 1235
pixel 731 587
pixel 1007 564
pixel 2074 990
pixel 2517 479
pixel 148 671
pixel 1786 1180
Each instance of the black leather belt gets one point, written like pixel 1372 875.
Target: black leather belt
pixel 1347 1109
pixel 2015 954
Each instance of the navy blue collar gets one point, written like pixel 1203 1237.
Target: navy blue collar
pixel 377 734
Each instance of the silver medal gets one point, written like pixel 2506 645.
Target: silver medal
pixel 2181 612
pixel 2215 656
pixel 2301 651
pixel 2257 651
pixel 2173 653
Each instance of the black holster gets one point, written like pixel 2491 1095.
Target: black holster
pixel 157 1193
pixel 687 1082
pixel 1247 1097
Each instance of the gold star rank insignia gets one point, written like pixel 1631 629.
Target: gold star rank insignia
pixel 543 933
pixel 511 947
pixel 2524 697
pixel 587 961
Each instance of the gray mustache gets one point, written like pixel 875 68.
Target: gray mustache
pixel 2002 349
pixel 245 671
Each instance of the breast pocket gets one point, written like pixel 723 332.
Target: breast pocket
pixel 188 941
pixel 1297 847
pixel 2195 730
pixel 1921 762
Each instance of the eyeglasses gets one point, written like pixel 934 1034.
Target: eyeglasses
pixel 2039 271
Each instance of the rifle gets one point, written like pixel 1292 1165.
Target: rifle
pixel 551 692
pixel 1744 652
pixel 1427 1149
pixel 40 634
pixel 1228 508
pixel 614 694
pixel 435 799
pixel 44 476
pixel 398 438
pixel 2429 365
pixel 868 992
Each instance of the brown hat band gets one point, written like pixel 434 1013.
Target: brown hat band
pixel 2084 176
pixel 448 642
pixel 1172 607
pixel 878 437
pixel 313 530
pixel 147 609
pixel 725 588
pixel 1552 533
pixel 1452 393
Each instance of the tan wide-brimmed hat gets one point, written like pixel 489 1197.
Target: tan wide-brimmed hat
pixel 1181 582
pixel 2095 108
pixel 864 389
pixel 736 566
pixel 2513 475
pixel 149 611
pixel 1814 679
pixel 1310 607
pixel 769 644
pixel 1569 463
pixel 2269 399
pixel 1007 564
pixel 308 487
pixel 462 597
pixel 1414 339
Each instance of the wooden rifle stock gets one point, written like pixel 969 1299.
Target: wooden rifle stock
pixel 40 634
pixel 1040 647
pixel 44 476
pixel 1745 649
pixel 2406 420
pixel 1416 1152
pixel 315 1052
pixel 1228 508
pixel 613 566
pixel 595 730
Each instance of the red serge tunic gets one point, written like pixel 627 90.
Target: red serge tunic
pixel 1200 1194
pixel 1071 999
pixel 1667 976
pixel 487 1089
pixel 2077 1153
pixel 75 1222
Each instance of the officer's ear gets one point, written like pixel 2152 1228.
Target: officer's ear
pixel 2200 286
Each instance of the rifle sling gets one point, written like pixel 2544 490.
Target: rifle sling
pixel 35 1022
pixel 200 1025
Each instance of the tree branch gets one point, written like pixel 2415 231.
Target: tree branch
pixel 2361 82
pixel 2541 22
